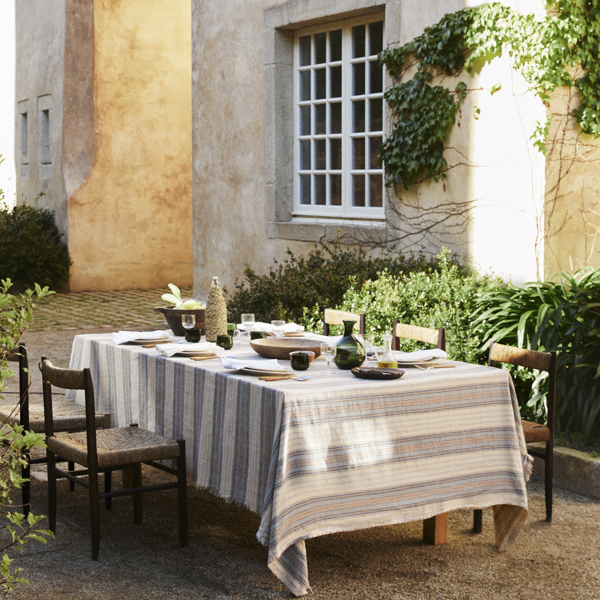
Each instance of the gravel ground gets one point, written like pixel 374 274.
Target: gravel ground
pixel 560 560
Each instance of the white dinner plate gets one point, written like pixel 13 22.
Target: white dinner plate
pixel 149 341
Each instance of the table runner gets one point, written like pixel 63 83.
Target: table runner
pixel 331 454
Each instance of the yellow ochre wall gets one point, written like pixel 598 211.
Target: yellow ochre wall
pixel 130 223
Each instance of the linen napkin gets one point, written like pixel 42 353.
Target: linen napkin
pixel 123 337
pixel 287 328
pixel 240 363
pixel 172 349
pixel 419 355
pixel 333 339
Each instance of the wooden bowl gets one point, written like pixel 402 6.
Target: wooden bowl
pixel 281 347
pixel 173 316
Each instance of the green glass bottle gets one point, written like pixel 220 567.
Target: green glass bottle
pixel 350 352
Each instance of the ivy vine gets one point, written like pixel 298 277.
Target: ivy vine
pixel 546 51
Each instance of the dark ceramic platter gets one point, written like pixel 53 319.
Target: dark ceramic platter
pixel 377 373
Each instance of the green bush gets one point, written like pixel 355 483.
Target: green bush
pixel 560 315
pixel 444 294
pixel 319 279
pixel 30 248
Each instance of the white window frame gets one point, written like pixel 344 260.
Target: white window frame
pixel 346 210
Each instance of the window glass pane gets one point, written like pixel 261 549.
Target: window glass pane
pixel 358 116
pixel 376 83
pixel 358 190
pixel 375 191
pixel 305 155
pixel 376 37
pixel 335 74
pixel 320 110
pixel 320 191
pixel 305 50
pixel 335 190
pixel 358 41
pixel 320 85
pixel 358 88
pixel 304 85
pixel 320 155
pixel 376 113
pixel 305 120
pixel 358 153
pixel 335 154
pixel 304 189
pixel 335 125
pixel 335 45
pixel 374 149
pixel 320 40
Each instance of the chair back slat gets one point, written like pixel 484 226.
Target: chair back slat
pixel 337 317
pixel 437 337
pixel 71 379
pixel 520 357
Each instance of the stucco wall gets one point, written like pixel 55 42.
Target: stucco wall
pixel 572 191
pixel 130 222
pixel 39 74
pixel 238 92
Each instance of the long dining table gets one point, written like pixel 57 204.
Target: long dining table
pixel 333 453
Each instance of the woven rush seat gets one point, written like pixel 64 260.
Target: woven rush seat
pixel 68 416
pixel 116 447
pixel 534 432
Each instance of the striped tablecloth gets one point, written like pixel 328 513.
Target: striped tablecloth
pixel 334 453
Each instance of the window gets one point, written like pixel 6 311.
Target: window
pixel 44 126
pixel 339 120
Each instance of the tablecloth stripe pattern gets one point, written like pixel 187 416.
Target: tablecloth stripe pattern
pixel 228 424
pixel 331 454
pixel 387 455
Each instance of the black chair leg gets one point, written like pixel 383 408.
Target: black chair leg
pixel 107 488
pixel 477 520
pixel 138 517
pixel 548 475
pixel 71 468
pixel 51 492
pixel 182 495
pixel 94 514
pixel 26 488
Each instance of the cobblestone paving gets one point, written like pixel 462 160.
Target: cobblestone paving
pixel 96 310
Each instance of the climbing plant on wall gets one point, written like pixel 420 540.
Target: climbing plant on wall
pixel 547 51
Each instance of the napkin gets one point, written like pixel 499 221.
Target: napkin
pixel 419 355
pixel 129 336
pixel 172 349
pixel 287 328
pixel 332 339
pixel 238 364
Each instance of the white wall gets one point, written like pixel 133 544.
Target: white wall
pixel 8 181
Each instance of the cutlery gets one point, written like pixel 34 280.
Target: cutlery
pixel 435 367
pixel 203 357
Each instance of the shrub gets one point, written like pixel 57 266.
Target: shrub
pixel 560 315
pixel 444 294
pixel 320 279
pixel 30 248
pixel 16 312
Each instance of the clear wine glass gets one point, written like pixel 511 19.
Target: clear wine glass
pixel 188 321
pixel 248 321
pixel 370 346
pixel 278 328
pixel 328 351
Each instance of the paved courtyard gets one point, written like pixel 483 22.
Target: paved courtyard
pixel 224 560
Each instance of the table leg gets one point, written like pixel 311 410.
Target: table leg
pixel 435 530
pixel 508 520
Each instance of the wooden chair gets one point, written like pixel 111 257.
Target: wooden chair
pixel 68 416
pixel 437 337
pixel 106 450
pixel 533 432
pixel 337 317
